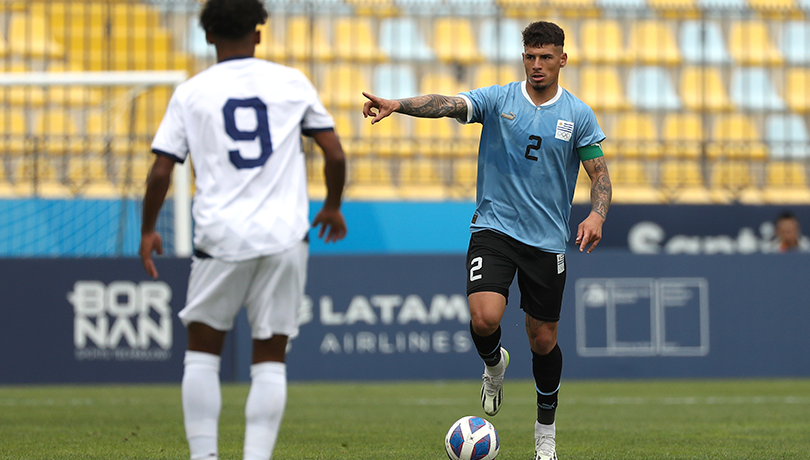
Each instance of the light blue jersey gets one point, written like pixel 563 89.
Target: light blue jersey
pixel 528 161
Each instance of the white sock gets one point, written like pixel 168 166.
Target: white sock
pixel 548 430
pixel 202 401
pixel 264 408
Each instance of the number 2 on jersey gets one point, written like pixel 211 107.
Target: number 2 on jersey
pixel 262 131
pixel 531 147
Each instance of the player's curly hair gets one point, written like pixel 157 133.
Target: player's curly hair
pixel 232 19
pixel 542 33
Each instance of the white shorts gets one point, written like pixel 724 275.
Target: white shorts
pixel 271 288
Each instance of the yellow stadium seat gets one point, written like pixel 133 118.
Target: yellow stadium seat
pixel 343 86
pixel 631 183
pixel 465 175
pixel 306 40
pixel 702 88
pixel 683 135
pixel 433 136
pixel 354 41
pixel 370 179
pixel 682 182
pixel 601 88
pixel 269 47
pixel 573 8
pixel 29 37
pixel 777 9
pixel 786 183
pixel 56 132
pixel 736 136
pixel 750 43
pixel 469 136
pixel 602 42
pixel 13 132
pixel 83 170
pixel 681 9
pixel 653 43
pixel 732 175
pixel 420 178
pixel 440 83
pixel 384 139
pixel 488 75
pixel 378 8
pixel 635 135
pixel 797 90
pixel 97 19
pixel 39 175
pixel 454 41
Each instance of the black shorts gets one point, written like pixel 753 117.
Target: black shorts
pixel 492 260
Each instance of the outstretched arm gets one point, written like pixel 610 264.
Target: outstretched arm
pixel 426 106
pixel 590 230
pixel 329 217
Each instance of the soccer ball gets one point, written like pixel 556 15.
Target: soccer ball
pixel 472 438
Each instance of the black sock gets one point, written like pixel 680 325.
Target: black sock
pixel 489 347
pixel 547 370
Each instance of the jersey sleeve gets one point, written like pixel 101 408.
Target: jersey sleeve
pixel 588 134
pixel 480 102
pixel 316 117
pixel 170 139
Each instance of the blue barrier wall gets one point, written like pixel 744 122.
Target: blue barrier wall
pixel 405 317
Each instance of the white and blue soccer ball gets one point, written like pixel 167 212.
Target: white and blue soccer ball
pixel 472 438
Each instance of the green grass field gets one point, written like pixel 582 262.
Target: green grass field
pixel 616 420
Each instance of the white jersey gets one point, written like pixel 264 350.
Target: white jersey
pixel 242 120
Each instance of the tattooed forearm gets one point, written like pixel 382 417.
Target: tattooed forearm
pixel 433 106
pixel 601 189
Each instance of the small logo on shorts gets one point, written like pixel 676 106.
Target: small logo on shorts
pixel 560 263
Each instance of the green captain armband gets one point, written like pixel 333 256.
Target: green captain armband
pixel 589 152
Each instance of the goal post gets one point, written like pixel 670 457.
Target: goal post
pixel 29 97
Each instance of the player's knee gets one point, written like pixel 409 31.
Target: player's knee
pixel 542 344
pixel 484 325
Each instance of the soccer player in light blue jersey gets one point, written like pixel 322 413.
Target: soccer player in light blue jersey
pixel 535 135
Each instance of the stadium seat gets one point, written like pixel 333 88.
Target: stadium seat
pixel 30 37
pixel 702 88
pixel 345 129
pixel 751 89
pixel 56 133
pixel 723 5
pixel 651 88
pixel 488 75
pixel 270 48
pixel 635 136
pixel 305 40
pixel 421 178
pixel 434 136
pixel 652 42
pixel 786 182
pixel 395 81
pixel 342 86
pixel 797 90
pixel 402 40
pixel 683 135
pixel 631 183
pixel 602 41
pixel 750 43
pixel 621 8
pixel 795 42
pixel 735 136
pixel 732 175
pixel 502 40
pixel 486 8
pixel 440 83
pixel 574 8
pixel 465 175
pixel 777 9
pixel 787 137
pixel 454 41
pixel 469 137
pixel 39 175
pixel 370 179
pixel 385 139
pixel 354 41
pixel 702 42
pixel 13 131
pixel 376 8
pixel 601 88
pixel 675 8
pixel 681 181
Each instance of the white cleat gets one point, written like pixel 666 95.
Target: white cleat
pixel 492 386
pixel 545 448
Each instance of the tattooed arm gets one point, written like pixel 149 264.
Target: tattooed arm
pixel 590 230
pixel 427 106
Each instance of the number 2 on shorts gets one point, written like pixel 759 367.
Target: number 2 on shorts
pixel 476 264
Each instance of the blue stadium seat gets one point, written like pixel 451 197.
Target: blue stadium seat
pixel 401 39
pixel 501 40
pixel 473 7
pixel 702 42
pixel 751 88
pixel 795 42
pixel 714 5
pixel 787 137
pixel 651 88
pixel 395 81
pixel 623 8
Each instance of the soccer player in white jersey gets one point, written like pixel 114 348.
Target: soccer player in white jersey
pixel 241 121
pixel 535 135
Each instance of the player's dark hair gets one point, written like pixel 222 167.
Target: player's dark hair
pixel 232 19
pixel 540 33
pixel 785 215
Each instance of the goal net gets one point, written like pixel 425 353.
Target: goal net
pixel 75 150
